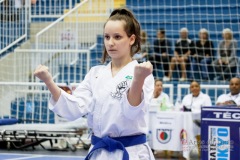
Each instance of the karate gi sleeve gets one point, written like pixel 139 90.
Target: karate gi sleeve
pixel 133 112
pixel 74 106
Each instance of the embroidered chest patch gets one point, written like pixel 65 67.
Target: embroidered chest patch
pixel 120 89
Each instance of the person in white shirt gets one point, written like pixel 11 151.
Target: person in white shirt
pixel 196 99
pixel 158 95
pixel 193 102
pixel 232 98
pixel 116 97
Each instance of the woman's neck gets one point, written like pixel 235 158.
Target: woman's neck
pixel 120 63
pixel 203 41
pixel 196 95
pixel 228 40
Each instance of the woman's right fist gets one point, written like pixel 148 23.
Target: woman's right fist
pixel 43 74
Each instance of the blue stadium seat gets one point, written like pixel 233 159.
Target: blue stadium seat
pixel 96 56
pixel 184 3
pixel 23 110
pixel 72 73
pixel 14 109
pixel 49 7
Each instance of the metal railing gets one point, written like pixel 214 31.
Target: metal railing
pixel 26 101
pixel 65 65
pixel 169 89
pixel 213 90
pixel 51 8
pixel 77 28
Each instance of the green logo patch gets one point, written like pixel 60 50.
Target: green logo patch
pixel 129 77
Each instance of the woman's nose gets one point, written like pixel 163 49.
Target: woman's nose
pixel 111 42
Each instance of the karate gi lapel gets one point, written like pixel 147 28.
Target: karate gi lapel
pixel 122 81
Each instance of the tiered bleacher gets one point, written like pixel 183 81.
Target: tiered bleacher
pixel 12 23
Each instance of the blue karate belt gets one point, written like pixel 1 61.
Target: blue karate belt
pixel 112 144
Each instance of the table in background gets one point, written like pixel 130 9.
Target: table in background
pixel 171 130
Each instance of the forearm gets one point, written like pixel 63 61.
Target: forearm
pixel 54 89
pixel 135 92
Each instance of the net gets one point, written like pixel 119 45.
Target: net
pixel 212 18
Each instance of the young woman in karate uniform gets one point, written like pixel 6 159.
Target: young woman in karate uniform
pixel 115 96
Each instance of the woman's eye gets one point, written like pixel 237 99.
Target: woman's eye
pixel 106 37
pixel 118 37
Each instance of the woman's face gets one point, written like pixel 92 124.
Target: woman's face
pixel 184 35
pixel 158 86
pixel 227 36
pixel 195 88
pixel 116 40
pixel 203 36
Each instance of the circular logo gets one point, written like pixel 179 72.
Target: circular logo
pixel 164 135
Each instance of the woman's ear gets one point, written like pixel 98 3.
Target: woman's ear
pixel 132 39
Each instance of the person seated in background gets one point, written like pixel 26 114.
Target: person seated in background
pixel 226 64
pixel 162 51
pixel 196 99
pixel 159 96
pixel 193 102
pixel 232 98
pixel 204 53
pixel 183 49
pixel 142 55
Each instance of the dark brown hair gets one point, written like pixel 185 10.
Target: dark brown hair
pixel 131 27
pixel 157 80
pixel 196 82
pixel 143 37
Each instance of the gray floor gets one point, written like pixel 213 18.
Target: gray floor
pixel 80 152
pixel 77 153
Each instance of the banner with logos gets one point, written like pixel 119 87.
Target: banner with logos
pixel 164 131
pixel 172 131
pixel 220 133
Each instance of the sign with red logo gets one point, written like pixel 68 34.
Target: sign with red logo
pixel 164 135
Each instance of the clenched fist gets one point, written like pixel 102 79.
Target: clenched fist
pixel 142 70
pixel 43 74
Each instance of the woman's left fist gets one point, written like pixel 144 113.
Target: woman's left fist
pixel 142 70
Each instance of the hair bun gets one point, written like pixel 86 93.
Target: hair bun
pixel 122 11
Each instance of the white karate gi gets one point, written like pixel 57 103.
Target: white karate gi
pixel 195 103
pixel 104 99
pixel 229 97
